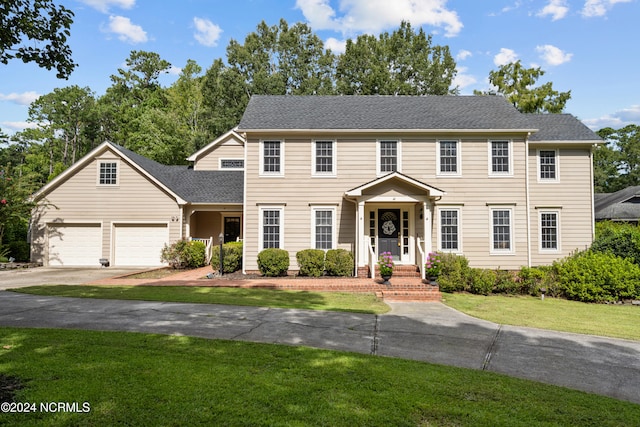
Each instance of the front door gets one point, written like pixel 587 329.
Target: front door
pixel 231 228
pixel 389 232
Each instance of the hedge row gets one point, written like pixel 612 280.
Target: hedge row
pixel 312 262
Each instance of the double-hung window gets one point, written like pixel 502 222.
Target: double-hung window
pixel 449 230
pixel 547 165
pixel 272 158
pixel 448 158
pixel 108 173
pixel 271 227
pixel 501 230
pixel 500 158
pixel 322 226
pixel 549 231
pixel 389 158
pixel 324 158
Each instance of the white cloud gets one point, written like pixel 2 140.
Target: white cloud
pixel 617 120
pixel 174 71
pixel 126 31
pixel 463 54
pixel 599 7
pixel 17 126
pixel 556 8
pixel 104 5
pixel 336 46
pixel 374 16
pixel 25 98
pixel 506 56
pixel 207 33
pixel 462 79
pixel 553 55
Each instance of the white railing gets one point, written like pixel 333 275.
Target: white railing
pixel 372 259
pixel 208 245
pixel 421 257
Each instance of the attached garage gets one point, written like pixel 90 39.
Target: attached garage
pixel 139 244
pixel 75 244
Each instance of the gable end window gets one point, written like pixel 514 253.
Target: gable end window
pixel 500 158
pixel 232 164
pixel 547 165
pixel 324 158
pixel 108 173
pixel 389 157
pixel 272 158
pixel 448 158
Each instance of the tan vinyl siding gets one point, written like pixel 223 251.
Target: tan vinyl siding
pixel 79 199
pixel 226 150
pixel 570 195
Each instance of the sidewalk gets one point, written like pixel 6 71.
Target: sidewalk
pixel 401 288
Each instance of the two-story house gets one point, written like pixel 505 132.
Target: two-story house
pixel 371 174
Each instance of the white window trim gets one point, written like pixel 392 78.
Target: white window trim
pixel 493 174
pixel 118 171
pixel 459 210
pixel 557 160
pixel 458 172
pixel 282 156
pixel 398 155
pixel 511 250
pixel 316 208
pixel 261 225
pixel 334 160
pixel 558 231
pixel 221 159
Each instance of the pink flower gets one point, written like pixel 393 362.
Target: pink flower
pixel 3 201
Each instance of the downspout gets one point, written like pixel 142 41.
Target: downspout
pixel 591 189
pixel 244 204
pixel 528 201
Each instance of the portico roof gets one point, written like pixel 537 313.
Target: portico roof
pixel 433 191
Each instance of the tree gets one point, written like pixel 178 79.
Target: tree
pixel 515 82
pixel 404 62
pixel 15 205
pixel 39 21
pixel 617 164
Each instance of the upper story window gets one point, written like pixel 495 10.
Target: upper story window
pixel 389 158
pixel 448 158
pixel 272 158
pixel 237 164
pixel 547 165
pixel 108 173
pixel 500 158
pixel 324 158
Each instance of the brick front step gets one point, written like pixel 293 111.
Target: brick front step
pixel 398 271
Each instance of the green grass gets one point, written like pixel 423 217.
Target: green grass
pixel 142 379
pixel 618 321
pixel 335 301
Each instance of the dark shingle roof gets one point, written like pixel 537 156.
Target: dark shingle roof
pixel 621 205
pixel 560 127
pixel 288 112
pixel 193 186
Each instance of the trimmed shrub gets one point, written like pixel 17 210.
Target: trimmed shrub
pixel 598 277
pixel 618 239
pixel 20 250
pixel 532 279
pixel 482 281
pixel 311 262
pixel 454 273
pixel 506 283
pixel 339 262
pixel 273 262
pixel 184 254
pixel 231 258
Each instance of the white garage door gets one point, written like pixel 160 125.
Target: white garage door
pixel 75 245
pixel 139 244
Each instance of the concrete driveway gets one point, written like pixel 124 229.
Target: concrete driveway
pixel 21 277
pixel 430 332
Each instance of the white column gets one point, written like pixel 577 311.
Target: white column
pixel 361 241
pixel 427 208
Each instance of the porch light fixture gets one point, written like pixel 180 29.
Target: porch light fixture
pixel 542 292
pixel 104 262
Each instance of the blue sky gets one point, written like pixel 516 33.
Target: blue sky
pixel 587 46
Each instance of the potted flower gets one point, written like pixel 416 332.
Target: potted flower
pixel 432 267
pixel 385 263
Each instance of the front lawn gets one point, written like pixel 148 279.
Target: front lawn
pixel 335 301
pixel 617 321
pixel 142 379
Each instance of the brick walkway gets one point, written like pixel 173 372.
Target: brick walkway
pixel 401 288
